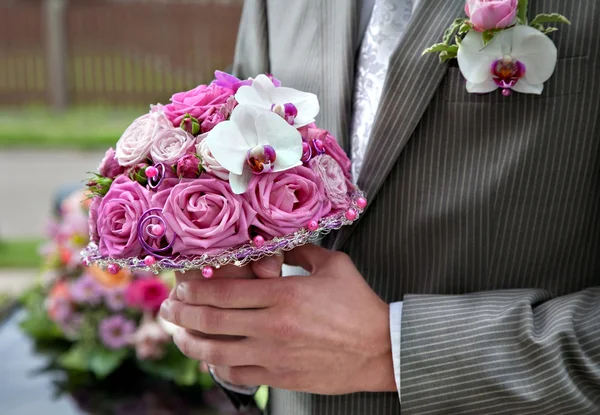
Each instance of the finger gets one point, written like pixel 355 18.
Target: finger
pixel 243 375
pixel 268 267
pixel 231 294
pixel 307 256
pixel 227 271
pixel 244 352
pixel 212 320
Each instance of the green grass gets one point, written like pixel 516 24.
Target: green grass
pixel 84 128
pixel 20 254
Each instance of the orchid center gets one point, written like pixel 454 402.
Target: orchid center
pixel 261 159
pixel 288 111
pixel 506 72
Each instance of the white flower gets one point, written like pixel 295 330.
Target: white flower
pixel 209 163
pixel 297 107
pixel 521 58
pixel 134 145
pixel 254 141
pixel 170 144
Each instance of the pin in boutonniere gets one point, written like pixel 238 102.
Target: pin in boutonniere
pixel 497 47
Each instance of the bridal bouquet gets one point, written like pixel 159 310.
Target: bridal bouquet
pixel 225 174
pixel 107 320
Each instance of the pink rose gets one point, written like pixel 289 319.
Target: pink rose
pixel 220 115
pixel 150 340
pixel 146 294
pixel 200 103
pixel 204 216
pixel 333 178
pixel 118 216
pixel 209 163
pixel 491 14
pixel 188 166
pixel 109 167
pixel 330 145
pixel 170 144
pixel 93 219
pixel 287 201
pixel 134 145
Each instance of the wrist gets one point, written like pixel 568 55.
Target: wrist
pixel 378 375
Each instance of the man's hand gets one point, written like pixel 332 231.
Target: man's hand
pixel 327 333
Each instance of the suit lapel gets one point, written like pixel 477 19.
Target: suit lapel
pixel 410 85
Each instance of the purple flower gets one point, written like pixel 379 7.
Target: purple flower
pixel 109 167
pixel 86 290
pixel 225 80
pixel 116 331
pixel 114 298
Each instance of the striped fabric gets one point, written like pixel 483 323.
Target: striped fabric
pixel 483 212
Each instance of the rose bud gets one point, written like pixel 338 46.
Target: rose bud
pixel 138 174
pixel 99 185
pixel 190 124
pixel 188 167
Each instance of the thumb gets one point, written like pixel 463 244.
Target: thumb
pixel 268 267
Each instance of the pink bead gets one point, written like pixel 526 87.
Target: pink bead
pixel 158 230
pixel 506 92
pixel 361 202
pixel 258 241
pixel 350 214
pixel 151 172
pixel 313 225
pixel 208 272
pixel 86 262
pixel 149 260
pixel 114 268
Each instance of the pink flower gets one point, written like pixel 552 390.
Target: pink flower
pixel 150 340
pixel 134 145
pixel 188 166
pixel 203 215
pixel 209 163
pixel 491 14
pixel 93 219
pixel 170 145
pixel 333 178
pixel 310 133
pixel 116 331
pixel 118 216
pixel 220 115
pixel 287 201
pixel 109 167
pixel 146 294
pixel 200 103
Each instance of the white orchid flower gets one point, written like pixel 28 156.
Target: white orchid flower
pixel 520 59
pixel 254 142
pixel 296 107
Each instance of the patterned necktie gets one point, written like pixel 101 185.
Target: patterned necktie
pixel 389 19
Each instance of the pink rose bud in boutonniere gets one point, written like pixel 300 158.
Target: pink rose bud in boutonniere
pixel 109 167
pixel 188 167
pixel 491 14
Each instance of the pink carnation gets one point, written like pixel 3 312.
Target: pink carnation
pixel 146 294
pixel 204 216
pixel 287 201
pixel 201 102
pixel 118 216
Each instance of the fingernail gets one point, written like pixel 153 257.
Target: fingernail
pixel 165 308
pixel 181 291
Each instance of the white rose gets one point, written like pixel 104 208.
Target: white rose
pixel 134 145
pixel 209 163
pixel 170 144
pixel 333 178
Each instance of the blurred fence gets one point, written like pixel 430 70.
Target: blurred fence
pixel 127 52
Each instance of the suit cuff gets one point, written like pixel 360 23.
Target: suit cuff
pixel 395 327
pixel 243 390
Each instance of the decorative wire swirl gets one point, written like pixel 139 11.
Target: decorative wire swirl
pixel 239 255
pixel 144 230
pixel 154 182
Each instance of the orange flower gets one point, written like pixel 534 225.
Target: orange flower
pixel 120 279
pixel 60 291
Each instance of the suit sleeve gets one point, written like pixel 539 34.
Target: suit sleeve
pixel 252 47
pixel 502 352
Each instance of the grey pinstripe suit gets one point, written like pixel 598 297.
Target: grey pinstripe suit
pixel 483 211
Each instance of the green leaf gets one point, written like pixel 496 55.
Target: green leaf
pixel 38 325
pixel 549 18
pixel 487 37
pixel 75 359
pixel 103 361
pixel 438 47
pixel 205 380
pixel 262 397
pixel 173 366
pixel 464 28
pixel 548 30
pixel 449 33
pixel 522 11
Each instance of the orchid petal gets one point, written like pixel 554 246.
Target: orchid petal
pixel 475 60
pixel 247 95
pixel 264 88
pixel 285 140
pixel 524 87
pixel 239 182
pixel 537 52
pixel 306 103
pixel 228 146
pixel 244 117
pixel 482 88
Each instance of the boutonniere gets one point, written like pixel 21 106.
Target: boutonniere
pixel 497 47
